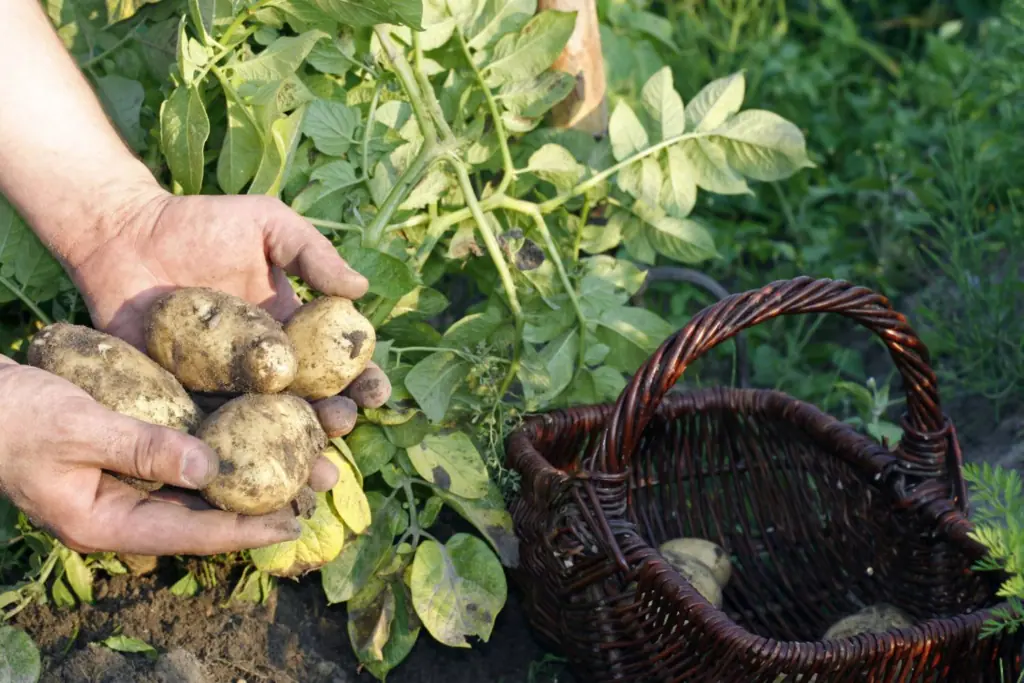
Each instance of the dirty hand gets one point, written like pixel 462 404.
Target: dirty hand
pixel 55 442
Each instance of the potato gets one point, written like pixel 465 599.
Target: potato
pixel 699 576
pixel 337 415
pixel 333 344
pixel 707 553
pixel 267 445
pixel 118 376
pixel 874 619
pixel 216 342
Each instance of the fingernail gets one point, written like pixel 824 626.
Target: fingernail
pixel 200 466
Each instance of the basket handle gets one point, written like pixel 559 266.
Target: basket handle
pixel 929 448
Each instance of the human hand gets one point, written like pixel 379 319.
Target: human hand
pixel 55 442
pixel 242 245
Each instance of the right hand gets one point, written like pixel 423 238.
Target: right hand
pixel 55 442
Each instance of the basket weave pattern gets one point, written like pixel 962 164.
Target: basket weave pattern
pixel 820 520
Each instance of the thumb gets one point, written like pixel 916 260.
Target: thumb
pixel 296 246
pixel 146 451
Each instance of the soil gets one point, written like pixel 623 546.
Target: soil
pixel 294 638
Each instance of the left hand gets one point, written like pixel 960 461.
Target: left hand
pixel 242 245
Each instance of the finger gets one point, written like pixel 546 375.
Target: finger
pixel 337 415
pixel 296 246
pixel 145 451
pixel 324 475
pixel 285 301
pixel 371 389
pixel 182 498
pixel 154 527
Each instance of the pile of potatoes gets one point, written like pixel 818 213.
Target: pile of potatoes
pixel 275 384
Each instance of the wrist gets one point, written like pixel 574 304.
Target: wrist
pixel 97 212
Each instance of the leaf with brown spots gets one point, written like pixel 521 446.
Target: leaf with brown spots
pixel 452 463
pixel 457 589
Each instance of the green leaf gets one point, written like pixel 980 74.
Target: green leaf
pixel 632 334
pixel 184 129
pixel 664 104
pixel 594 386
pixel 679 193
pixel 534 97
pixel 332 125
pixel 24 261
pixel 62 596
pixel 186 587
pixel 19 657
pixel 710 167
pixel 241 152
pixel 388 276
pixel 528 52
pixel 626 132
pixel 762 145
pixel 278 61
pixel 457 589
pixel 546 374
pixel 335 56
pixel 491 518
pixel 370 448
pixel 473 329
pixel 452 463
pixel 364 13
pixel 434 380
pixel 123 643
pixel 345 575
pixel 409 433
pixel 323 536
pixel 431 509
pixel 681 239
pixel 556 165
pixel 277 154
pixel 8 522
pixel 122 99
pixel 422 302
pixel 79 575
pixel 642 179
pixel 498 18
pixel 716 101
pixel 600 238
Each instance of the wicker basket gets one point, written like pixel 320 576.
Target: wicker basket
pixel 819 519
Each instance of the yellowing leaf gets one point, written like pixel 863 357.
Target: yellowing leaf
pixel 491 518
pixel 370 613
pixel 762 145
pixel 348 497
pixel 452 463
pixel 626 132
pixel 279 60
pixel 664 104
pixel 457 589
pixel 716 101
pixel 528 52
pixel 323 536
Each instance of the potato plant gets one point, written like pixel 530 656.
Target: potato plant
pixel 502 252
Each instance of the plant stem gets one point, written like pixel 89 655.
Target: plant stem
pixel 499 263
pixel 531 210
pixel 597 178
pixel 334 225
pixel 240 19
pixel 427 92
pixel 410 176
pixel 31 305
pixel 409 82
pixel 499 125
pixel 369 130
pixel 130 35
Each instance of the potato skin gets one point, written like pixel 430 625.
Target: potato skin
pixel 333 343
pixel 116 375
pixel 706 552
pixel 213 341
pixel 267 445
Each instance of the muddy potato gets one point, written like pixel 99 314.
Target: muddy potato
pixel 333 343
pixel 712 555
pixel 337 415
pixel 267 445
pixel 118 376
pixel 215 342
pixel 699 576
pixel 874 619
